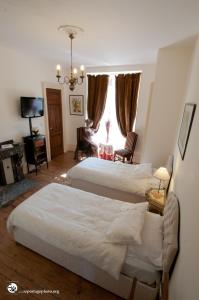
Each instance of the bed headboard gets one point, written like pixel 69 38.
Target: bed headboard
pixel 170 231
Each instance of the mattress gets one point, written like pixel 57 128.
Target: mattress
pixel 136 268
pixel 126 178
pixel 132 267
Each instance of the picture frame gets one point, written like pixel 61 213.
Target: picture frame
pixel 185 128
pixel 76 104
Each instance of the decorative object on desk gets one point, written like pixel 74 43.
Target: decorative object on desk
pixel 162 174
pixel 156 200
pixel 72 80
pixel 76 103
pixel 185 128
pixel 9 192
pixel 6 146
pixel 35 130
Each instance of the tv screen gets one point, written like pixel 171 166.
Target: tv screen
pixel 32 107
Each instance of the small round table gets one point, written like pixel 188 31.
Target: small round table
pixel 106 151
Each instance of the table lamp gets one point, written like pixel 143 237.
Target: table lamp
pixel 162 174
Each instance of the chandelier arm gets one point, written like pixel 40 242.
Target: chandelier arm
pixel 79 82
pixel 63 80
pixel 66 79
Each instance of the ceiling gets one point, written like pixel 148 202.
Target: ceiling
pixel 116 32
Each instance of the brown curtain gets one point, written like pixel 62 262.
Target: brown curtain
pixel 97 92
pixel 126 94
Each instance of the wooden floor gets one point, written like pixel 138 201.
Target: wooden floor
pixel 32 271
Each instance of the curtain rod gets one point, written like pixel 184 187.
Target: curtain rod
pixel 115 73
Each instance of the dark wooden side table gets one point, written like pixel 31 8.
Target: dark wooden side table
pixel 35 151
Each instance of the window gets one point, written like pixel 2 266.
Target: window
pixel 115 137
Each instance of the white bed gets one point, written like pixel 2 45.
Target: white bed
pixel 120 181
pixel 57 222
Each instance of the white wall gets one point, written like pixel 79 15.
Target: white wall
pixel 21 75
pixel 148 71
pixel 184 282
pixel 172 70
pixel 72 121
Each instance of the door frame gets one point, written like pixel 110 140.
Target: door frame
pixel 56 86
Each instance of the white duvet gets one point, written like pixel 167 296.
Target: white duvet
pixel 136 179
pixel 74 221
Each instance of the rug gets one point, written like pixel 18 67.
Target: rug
pixel 10 192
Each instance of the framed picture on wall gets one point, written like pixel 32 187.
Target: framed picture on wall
pixel 76 103
pixel 185 128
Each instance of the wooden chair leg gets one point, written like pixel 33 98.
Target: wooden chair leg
pixel 165 286
pixel 132 293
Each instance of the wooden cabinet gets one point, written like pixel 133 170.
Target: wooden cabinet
pixel 35 151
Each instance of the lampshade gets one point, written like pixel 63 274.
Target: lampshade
pixel 162 174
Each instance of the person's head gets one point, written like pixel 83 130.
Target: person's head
pixel 89 123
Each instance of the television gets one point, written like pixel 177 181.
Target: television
pixel 32 107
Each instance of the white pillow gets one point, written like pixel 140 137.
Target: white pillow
pixel 150 250
pixel 127 227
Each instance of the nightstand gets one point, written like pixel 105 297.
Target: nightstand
pixel 156 200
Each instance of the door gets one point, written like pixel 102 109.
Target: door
pixel 55 124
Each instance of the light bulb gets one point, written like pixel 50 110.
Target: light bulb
pixel 58 67
pixel 82 68
pixel 74 71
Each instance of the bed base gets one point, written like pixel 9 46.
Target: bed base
pixel 106 191
pixel 81 267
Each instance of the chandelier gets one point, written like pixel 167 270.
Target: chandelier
pixel 72 80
